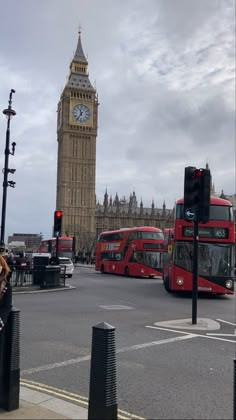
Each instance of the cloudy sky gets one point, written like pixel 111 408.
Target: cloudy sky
pixel 164 71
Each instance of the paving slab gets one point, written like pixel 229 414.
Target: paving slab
pixel 39 405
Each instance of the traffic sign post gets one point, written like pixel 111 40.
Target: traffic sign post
pixel 195 273
pixel 57 227
pixel 190 215
pixel 57 242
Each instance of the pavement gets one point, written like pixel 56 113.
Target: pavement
pixel 39 405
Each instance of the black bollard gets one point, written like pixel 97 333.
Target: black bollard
pixel 10 363
pixel 234 391
pixel 102 392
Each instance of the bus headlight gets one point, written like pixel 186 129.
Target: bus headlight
pixel 180 281
pixel 229 284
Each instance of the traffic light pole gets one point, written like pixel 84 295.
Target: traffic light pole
pixel 195 272
pixel 197 186
pixel 57 228
pixel 57 242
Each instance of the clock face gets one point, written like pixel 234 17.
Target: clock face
pixel 81 113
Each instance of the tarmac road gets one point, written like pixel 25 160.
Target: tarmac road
pixel 164 371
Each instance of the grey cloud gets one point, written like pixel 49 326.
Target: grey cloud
pixel 181 19
pixel 212 124
pixel 164 75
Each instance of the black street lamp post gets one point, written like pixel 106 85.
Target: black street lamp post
pixel 9 112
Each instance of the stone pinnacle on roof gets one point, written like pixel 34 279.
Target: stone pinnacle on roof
pixel 79 56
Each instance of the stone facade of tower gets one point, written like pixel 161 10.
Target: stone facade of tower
pixel 76 161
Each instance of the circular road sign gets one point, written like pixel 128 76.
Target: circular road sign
pixel 190 214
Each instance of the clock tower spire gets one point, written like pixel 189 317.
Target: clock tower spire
pixel 79 53
pixel 76 163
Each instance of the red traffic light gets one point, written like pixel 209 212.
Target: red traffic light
pixel 197 173
pixel 57 222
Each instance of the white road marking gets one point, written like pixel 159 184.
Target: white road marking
pixel 216 338
pixel 115 307
pixel 155 343
pixel 227 322
pixel 167 329
pixel 223 335
pixel 121 350
pixel 55 365
pixel 196 335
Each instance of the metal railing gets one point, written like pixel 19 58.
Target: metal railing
pixel 36 277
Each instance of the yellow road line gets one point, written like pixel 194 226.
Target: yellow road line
pixel 123 415
pixel 131 416
pixel 26 381
pixel 54 392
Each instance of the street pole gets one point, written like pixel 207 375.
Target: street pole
pixel 9 112
pixel 195 273
pixel 57 243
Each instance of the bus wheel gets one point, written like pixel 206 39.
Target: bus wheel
pixel 126 272
pixel 151 277
pixel 166 284
pixel 102 269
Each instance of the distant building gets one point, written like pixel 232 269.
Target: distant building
pixel 16 246
pixel 30 240
pixel 123 212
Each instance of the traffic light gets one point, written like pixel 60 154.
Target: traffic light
pixel 205 192
pixel 57 223
pixel 192 186
pixel 197 186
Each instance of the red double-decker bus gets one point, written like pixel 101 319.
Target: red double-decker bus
pixel 215 251
pixel 65 246
pixel 132 252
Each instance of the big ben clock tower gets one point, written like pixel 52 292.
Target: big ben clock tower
pixel 76 161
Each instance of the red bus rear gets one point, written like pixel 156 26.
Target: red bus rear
pixel 215 251
pixel 65 246
pixel 132 252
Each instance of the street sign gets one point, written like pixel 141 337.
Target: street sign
pixel 190 214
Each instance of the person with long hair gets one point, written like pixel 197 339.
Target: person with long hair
pixel 5 292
